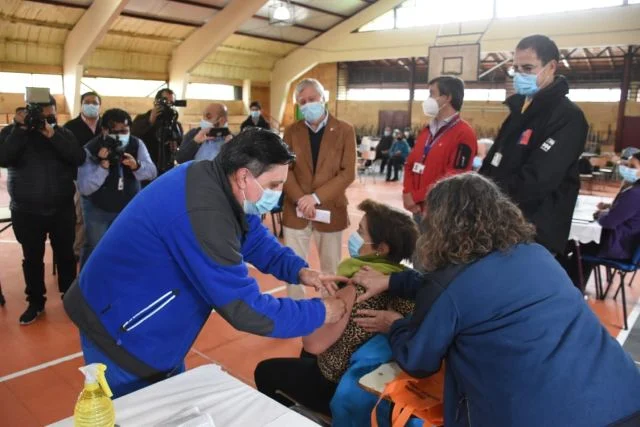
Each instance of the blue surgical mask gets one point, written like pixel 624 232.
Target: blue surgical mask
pixel 525 84
pixel 91 110
pixel 477 163
pixel 255 114
pixel 356 242
pixel 387 133
pixel 123 138
pixel 312 111
pixel 628 174
pixel 267 202
pixel 205 124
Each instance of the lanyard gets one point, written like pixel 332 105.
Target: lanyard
pixel 434 138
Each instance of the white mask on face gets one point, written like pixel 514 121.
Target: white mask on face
pixel 430 107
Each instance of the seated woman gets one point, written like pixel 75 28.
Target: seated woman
pixel 384 238
pixel 520 345
pixel 620 223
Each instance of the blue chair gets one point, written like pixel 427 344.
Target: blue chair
pixel 622 268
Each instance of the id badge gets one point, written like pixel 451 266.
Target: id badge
pixel 120 184
pixel 497 158
pixel 418 168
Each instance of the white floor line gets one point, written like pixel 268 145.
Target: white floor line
pixel 79 354
pixel 631 321
pixel 40 367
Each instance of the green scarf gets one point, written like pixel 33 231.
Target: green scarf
pixel 351 266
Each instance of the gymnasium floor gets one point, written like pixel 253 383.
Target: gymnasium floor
pixel 39 380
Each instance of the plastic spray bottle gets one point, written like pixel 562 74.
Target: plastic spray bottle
pixel 94 407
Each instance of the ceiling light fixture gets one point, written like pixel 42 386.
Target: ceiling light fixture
pixel 281 13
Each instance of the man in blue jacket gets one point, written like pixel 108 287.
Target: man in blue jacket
pixel 178 250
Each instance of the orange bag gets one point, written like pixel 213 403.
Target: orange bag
pixel 420 397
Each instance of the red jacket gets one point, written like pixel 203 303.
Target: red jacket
pixel 452 153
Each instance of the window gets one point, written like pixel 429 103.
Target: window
pixel 509 8
pixel 17 82
pixel 211 91
pixel 374 94
pixel 470 94
pixel 382 22
pixel 594 95
pixel 122 87
pixel 422 13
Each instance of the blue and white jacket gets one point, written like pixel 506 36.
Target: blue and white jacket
pixel 178 250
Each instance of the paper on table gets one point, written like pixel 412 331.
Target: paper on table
pixel 321 216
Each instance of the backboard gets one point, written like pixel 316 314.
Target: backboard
pixel 456 60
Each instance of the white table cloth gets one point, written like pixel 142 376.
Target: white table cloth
pixel 230 402
pixel 583 227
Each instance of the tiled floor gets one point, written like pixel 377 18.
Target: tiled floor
pixel 48 393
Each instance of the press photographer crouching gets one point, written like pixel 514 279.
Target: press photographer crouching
pixel 110 177
pixel 42 159
pixel 160 129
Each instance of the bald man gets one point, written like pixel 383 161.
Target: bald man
pixel 199 143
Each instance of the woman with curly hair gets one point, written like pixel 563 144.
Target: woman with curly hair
pixel 521 346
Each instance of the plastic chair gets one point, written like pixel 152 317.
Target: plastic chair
pixel 276 217
pixel 622 268
pixel 365 165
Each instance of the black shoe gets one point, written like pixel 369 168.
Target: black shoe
pixel 30 315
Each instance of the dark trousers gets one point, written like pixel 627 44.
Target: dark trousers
pixel 298 378
pixel 396 164
pixel 570 262
pixel 31 231
pixel 384 159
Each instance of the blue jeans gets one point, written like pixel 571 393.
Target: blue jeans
pixel 120 381
pixel 96 223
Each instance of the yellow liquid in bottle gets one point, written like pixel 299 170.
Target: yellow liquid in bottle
pixel 94 408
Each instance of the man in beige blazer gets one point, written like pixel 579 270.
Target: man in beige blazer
pixel 326 165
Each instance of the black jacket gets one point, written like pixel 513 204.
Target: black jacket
pixel 41 170
pixel 81 131
pixel 384 145
pixel 148 133
pixel 539 152
pixel 262 123
pixel 6 131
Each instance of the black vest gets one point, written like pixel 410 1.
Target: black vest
pixel 108 197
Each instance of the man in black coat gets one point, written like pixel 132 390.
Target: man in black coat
pixel 42 164
pixel 383 147
pixel 85 127
pixel 149 127
pixel 18 120
pixel 535 156
pixel 255 119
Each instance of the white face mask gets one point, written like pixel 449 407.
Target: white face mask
pixel 205 124
pixel 430 107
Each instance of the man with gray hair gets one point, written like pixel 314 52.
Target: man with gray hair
pixel 326 165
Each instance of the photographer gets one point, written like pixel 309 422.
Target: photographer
pixel 110 176
pixel 42 159
pixel 204 142
pixel 160 130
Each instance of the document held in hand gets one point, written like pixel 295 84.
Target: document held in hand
pixel 321 216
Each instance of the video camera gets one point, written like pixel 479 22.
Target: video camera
pixel 36 97
pixel 168 112
pixel 115 147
